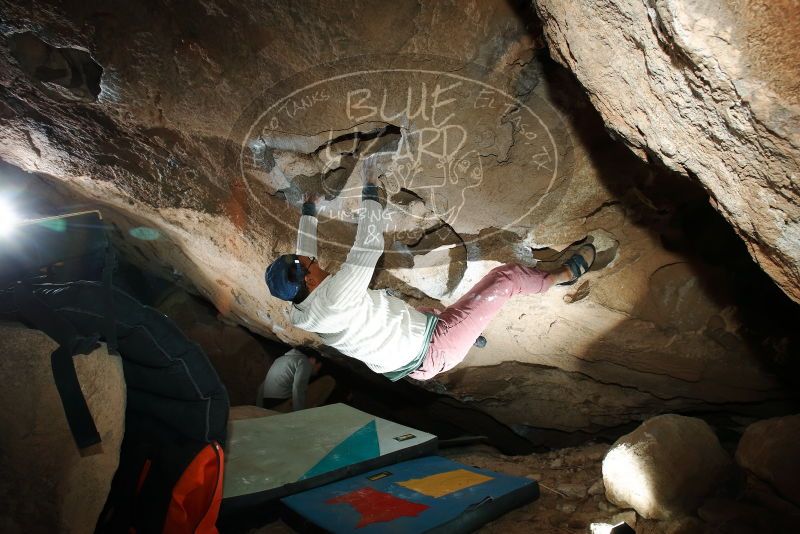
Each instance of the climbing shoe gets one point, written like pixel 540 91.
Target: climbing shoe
pixel 580 262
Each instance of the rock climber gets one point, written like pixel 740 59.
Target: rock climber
pixel 382 331
pixel 286 387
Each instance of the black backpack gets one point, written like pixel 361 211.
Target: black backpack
pixel 177 408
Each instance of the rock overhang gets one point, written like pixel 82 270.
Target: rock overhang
pixel 168 146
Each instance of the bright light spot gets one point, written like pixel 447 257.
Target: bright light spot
pixel 8 218
pixel 606 528
pixel 600 528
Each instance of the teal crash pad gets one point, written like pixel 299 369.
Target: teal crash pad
pixel 271 457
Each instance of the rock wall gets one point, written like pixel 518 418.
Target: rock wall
pixel 710 89
pixel 767 452
pixel 48 485
pixel 197 127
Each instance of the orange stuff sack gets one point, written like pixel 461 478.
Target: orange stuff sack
pixel 197 496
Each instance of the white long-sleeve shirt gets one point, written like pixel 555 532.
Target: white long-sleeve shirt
pixel 380 330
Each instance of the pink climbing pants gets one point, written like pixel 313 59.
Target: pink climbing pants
pixel 460 325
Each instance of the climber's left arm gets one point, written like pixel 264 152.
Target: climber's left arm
pixel 307 232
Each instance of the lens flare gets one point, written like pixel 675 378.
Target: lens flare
pixel 145 234
pixel 8 218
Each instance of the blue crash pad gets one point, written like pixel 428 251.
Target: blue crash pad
pixel 431 494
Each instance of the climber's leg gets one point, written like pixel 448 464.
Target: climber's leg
pixel 460 325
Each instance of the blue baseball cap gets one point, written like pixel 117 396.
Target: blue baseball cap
pixel 285 277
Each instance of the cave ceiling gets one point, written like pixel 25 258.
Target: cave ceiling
pixel 205 122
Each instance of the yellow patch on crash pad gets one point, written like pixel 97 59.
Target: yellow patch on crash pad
pixel 444 483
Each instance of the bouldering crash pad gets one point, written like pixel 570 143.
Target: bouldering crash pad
pixel 270 457
pixel 431 494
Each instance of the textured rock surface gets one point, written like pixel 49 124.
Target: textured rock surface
pixel 712 90
pixel 769 450
pixel 47 486
pixel 664 468
pixel 175 144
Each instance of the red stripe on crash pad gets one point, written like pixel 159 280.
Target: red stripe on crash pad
pixel 377 506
